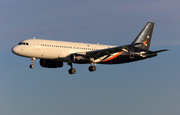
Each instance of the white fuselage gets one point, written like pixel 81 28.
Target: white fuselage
pixel 50 49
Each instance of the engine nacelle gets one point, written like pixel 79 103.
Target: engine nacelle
pixel 79 58
pixel 50 63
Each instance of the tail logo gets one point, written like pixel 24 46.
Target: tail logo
pixel 145 43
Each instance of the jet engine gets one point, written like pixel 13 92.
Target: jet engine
pixel 50 63
pixel 79 58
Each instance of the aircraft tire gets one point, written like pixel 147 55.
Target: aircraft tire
pixel 31 66
pixel 92 68
pixel 72 71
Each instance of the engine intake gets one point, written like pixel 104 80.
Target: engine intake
pixel 79 58
pixel 50 63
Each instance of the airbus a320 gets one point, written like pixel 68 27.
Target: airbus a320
pixel 52 53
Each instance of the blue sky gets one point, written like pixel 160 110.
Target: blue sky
pixel 144 87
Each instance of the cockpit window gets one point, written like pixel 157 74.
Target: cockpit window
pixel 23 43
pixel 20 43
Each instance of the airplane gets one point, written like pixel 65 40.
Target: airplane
pixel 53 53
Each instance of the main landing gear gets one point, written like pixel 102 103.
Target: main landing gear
pixel 73 71
pixel 32 65
pixel 92 68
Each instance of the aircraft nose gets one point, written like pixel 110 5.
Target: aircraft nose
pixel 15 50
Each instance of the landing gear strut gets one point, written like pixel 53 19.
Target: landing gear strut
pixel 92 68
pixel 32 65
pixel 72 70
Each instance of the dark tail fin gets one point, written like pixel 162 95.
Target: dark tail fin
pixel 145 36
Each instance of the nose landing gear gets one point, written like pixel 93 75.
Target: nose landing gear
pixel 32 65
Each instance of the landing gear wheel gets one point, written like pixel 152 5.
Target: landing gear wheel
pixel 72 71
pixel 31 66
pixel 92 68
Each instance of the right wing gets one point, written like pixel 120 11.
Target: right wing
pixel 100 53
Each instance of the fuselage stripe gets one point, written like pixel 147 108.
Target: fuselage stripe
pixel 113 57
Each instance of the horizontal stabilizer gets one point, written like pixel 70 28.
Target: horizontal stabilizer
pixel 151 53
pixel 160 51
pixel 157 51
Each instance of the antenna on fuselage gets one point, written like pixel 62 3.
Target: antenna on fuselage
pixel 34 38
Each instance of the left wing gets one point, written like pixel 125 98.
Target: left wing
pixel 99 53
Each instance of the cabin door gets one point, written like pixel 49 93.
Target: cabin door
pixel 131 51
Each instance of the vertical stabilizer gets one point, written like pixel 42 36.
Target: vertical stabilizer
pixel 145 36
